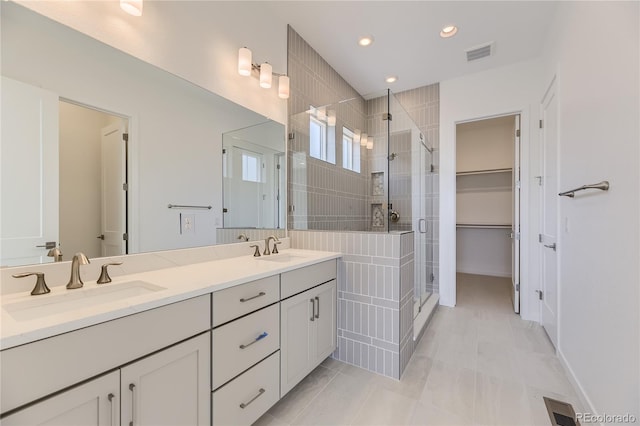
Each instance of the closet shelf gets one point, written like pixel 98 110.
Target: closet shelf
pixel 483 226
pixel 484 172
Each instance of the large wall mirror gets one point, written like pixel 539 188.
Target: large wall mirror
pixel 106 154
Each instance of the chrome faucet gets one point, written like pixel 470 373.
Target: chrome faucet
pixel 243 237
pixel 75 281
pixel 267 252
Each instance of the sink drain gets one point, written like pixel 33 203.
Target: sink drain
pixel 560 413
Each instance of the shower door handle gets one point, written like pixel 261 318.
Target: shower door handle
pixel 422 222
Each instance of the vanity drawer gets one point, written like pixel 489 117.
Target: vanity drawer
pixel 299 280
pixel 244 298
pixel 245 399
pixel 235 347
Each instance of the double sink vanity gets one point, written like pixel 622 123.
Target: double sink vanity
pixel 215 342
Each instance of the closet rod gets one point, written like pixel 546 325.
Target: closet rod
pixel 483 172
pixel 487 226
pixel 178 206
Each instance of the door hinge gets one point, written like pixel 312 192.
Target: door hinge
pixel 125 186
pixel 125 236
pixel 518 287
pixel 539 180
pixel 539 238
pixel 432 277
pixel 518 133
pixel 292 136
pixel 518 184
pixel 387 116
pixel 125 137
pixel 540 294
pixel 541 124
pixel 224 151
pixel 278 167
pixel 225 210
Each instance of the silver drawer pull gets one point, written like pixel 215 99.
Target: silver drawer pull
pixel 257 339
pixel 313 310
pixel 245 405
pixel 111 397
pixel 262 293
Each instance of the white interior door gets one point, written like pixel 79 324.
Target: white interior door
pixel 29 211
pixel 243 188
pixel 515 222
pixel 549 291
pixel 114 195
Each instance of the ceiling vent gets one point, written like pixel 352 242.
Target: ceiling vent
pixel 479 52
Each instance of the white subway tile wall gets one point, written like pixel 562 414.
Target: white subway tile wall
pixel 375 296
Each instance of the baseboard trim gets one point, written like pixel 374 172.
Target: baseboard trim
pixel 582 395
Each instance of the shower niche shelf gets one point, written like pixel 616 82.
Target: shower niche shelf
pixel 377 217
pixel 377 184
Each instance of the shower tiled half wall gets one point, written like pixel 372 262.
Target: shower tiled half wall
pixel 375 296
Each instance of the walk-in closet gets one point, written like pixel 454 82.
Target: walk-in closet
pixel 487 199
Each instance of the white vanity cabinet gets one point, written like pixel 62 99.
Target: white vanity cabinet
pixel 169 388
pixel 95 403
pixel 307 321
pixel 64 374
pixel 246 358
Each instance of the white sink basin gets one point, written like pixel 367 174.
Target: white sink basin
pixel 281 257
pixel 46 305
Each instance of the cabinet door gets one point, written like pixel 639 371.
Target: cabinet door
pixel 325 322
pixel 171 387
pixel 94 403
pixel 296 323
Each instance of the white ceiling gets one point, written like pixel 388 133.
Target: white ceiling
pixel 192 38
pixel 407 37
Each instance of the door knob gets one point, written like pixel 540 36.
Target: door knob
pixel 100 237
pixel 49 245
pixel 551 246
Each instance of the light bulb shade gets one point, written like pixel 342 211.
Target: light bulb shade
pixel 266 74
pixel 370 143
pixel 283 87
pixel 356 136
pixel 363 139
pixel 331 118
pixel 132 7
pixel 244 61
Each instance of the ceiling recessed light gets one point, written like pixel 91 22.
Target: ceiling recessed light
pixel 448 31
pixel 391 79
pixel 365 41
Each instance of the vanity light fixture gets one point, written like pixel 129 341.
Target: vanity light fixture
pixel 370 142
pixel 448 31
pixel 365 41
pixel 391 79
pixel 132 7
pixel 265 73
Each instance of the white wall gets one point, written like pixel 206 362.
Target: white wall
pixel 199 43
pixel 506 90
pixel 175 128
pixel 594 51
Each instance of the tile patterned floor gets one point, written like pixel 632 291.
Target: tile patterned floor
pixel 477 364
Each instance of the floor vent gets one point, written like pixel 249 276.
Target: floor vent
pixel 560 413
pixel 479 52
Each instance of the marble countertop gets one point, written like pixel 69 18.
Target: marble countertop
pixel 178 283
